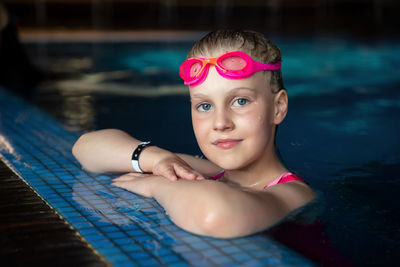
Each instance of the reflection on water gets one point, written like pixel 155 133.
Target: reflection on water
pixel 77 110
pixel 73 100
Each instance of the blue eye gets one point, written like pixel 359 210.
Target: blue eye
pixel 240 102
pixel 204 107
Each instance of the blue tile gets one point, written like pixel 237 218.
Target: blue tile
pixel 100 222
pixel 211 252
pixel 191 256
pixel 230 249
pixel 104 243
pixel 134 231
pixel 242 257
pixel 138 255
pixel 191 239
pixel 107 251
pixel 148 262
pixel 93 238
pixel 143 238
pixel 170 259
pixel 132 246
pixel 180 264
pixel 66 208
pixel 116 257
pixel 129 227
pixel 90 231
pixel 116 235
pixel 109 228
pixel 250 247
pixel 169 242
pixel 127 263
pixel 200 245
pixel 181 248
pixel 82 225
pixel 258 253
pixel 222 260
pixel 71 214
pixel 76 220
pixel 124 241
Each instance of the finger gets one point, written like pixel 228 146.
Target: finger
pixel 184 173
pixel 123 184
pixel 125 181
pixel 125 177
pixel 170 174
pixel 188 174
pixel 200 177
pixel 130 176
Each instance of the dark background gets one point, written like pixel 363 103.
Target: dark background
pixel 356 17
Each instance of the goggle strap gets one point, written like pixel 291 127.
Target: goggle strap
pixel 261 66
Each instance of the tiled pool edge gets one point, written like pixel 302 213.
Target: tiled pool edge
pixel 37 147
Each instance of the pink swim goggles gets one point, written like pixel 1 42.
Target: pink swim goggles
pixel 231 65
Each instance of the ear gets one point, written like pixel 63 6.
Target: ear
pixel 280 106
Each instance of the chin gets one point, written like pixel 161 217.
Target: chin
pixel 229 163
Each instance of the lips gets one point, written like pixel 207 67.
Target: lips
pixel 226 143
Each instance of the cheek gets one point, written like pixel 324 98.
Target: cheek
pixel 253 125
pixel 200 128
pixel 257 118
pixel 257 124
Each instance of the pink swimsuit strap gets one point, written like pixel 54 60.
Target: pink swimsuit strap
pixel 218 175
pixel 284 178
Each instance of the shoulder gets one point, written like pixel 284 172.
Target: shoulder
pixel 291 195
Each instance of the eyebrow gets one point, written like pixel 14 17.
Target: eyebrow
pixel 233 91
pixel 199 95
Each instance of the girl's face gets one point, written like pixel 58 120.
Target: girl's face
pixel 234 120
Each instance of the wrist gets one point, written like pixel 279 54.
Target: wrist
pixel 136 154
pixel 151 156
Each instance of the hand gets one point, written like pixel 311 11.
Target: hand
pixel 173 168
pixel 138 183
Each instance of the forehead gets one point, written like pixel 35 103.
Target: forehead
pixel 215 84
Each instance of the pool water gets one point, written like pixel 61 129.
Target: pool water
pixel 341 132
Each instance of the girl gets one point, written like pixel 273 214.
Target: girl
pixel 237 101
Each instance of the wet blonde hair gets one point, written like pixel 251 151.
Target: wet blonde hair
pixel 255 44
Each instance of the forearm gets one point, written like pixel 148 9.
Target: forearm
pixel 213 208
pixel 111 151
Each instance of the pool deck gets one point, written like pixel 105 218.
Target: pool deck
pixel 123 228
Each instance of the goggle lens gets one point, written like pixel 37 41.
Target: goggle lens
pixel 195 69
pixel 233 63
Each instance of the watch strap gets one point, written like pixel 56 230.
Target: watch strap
pixel 136 154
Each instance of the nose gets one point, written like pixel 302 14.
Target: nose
pixel 223 121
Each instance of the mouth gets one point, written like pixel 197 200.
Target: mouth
pixel 226 143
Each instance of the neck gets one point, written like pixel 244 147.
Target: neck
pixel 257 174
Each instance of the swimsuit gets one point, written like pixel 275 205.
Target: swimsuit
pixel 284 178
